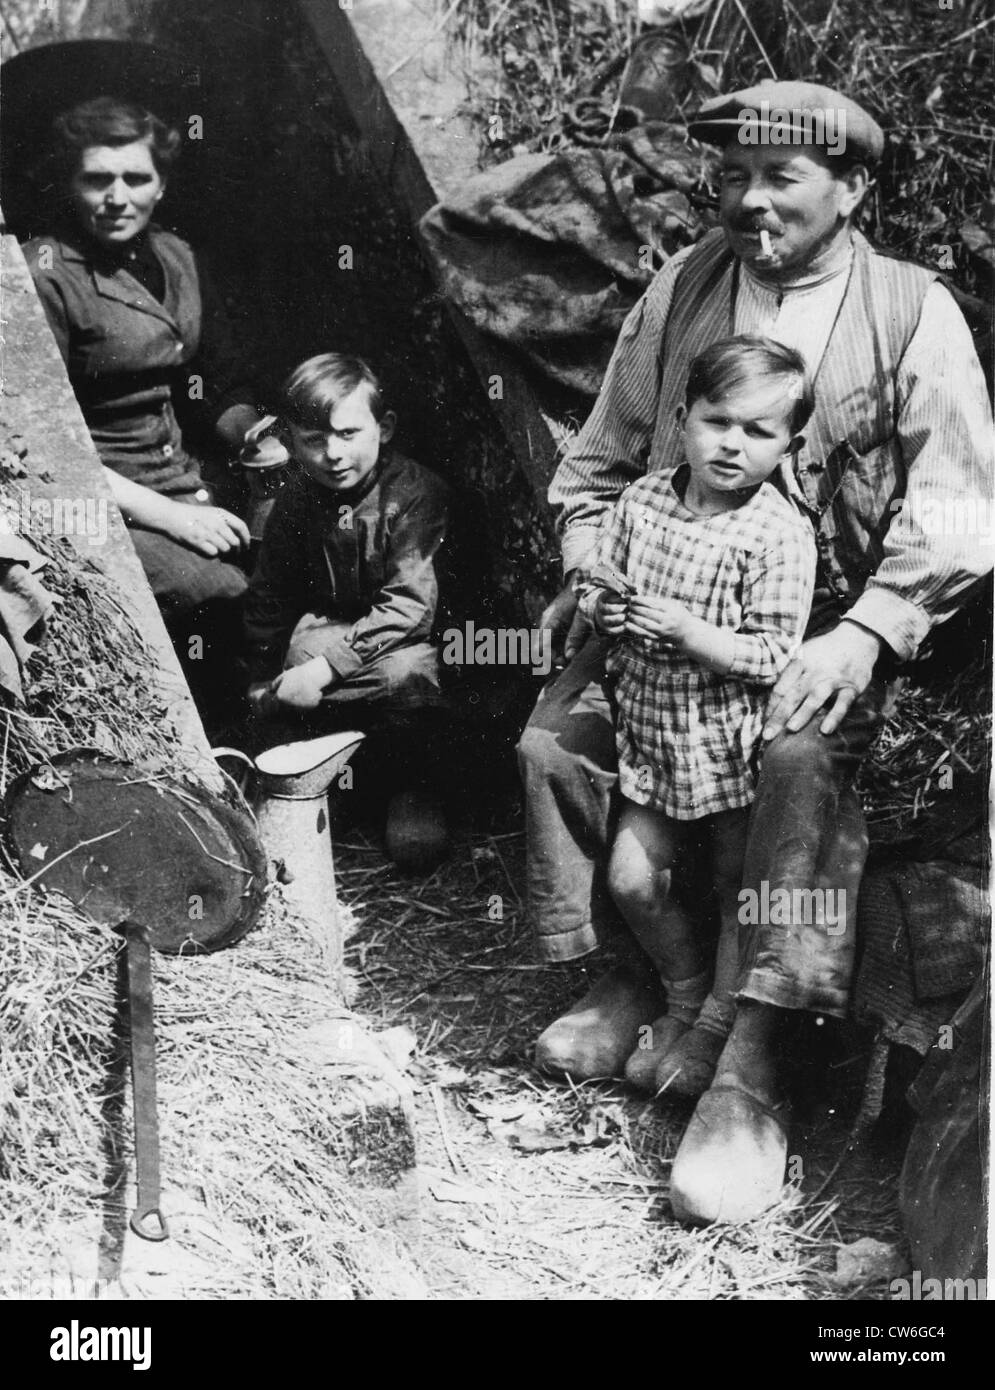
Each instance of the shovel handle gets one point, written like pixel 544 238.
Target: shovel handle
pixel 144 1086
pixel 141 1215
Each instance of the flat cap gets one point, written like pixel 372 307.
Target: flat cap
pixel 790 113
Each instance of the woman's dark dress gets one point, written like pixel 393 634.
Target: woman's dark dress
pixel 139 329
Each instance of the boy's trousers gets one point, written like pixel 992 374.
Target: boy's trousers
pixel 395 700
pixel 806 832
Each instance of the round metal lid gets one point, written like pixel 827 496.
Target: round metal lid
pixel 127 847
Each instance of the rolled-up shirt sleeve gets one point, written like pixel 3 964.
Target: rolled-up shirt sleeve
pixel 777 597
pixel 612 449
pixel 607 563
pixel 941 539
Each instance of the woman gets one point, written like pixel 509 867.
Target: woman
pixel 140 329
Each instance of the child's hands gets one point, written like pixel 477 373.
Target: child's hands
pixel 303 686
pixel 609 613
pixel 659 618
pixel 299 688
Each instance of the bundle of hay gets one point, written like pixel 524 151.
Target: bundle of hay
pixel 258 1131
pixel 257 1141
pixel 937 738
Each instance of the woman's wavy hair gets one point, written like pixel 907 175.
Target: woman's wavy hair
pixel 109 121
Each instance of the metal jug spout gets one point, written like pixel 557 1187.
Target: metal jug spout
pixel 303 771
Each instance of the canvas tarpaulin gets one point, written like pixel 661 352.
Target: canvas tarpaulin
pixel 549 252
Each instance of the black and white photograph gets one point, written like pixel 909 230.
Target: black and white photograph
pixel 496 541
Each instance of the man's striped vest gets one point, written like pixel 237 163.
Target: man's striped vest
pixel 851 469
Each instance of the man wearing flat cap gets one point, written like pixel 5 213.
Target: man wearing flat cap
pixel 902 428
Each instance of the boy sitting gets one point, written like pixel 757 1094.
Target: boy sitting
pixel 344 592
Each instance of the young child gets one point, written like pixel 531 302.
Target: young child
pixel 341 605
pixel 704 578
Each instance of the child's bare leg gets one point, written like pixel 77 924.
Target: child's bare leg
pixel 689 1067
pixel 639 877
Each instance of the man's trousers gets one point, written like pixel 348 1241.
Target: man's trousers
pixel 807 833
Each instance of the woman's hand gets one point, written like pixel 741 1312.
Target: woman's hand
pixel 659 618
pixel 208 530
pixel 609 613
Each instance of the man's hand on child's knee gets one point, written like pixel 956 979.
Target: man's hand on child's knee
pixel 303 686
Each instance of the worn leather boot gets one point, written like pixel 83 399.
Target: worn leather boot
pixel 599 1034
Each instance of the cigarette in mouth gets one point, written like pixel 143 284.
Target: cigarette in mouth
pixel 765 242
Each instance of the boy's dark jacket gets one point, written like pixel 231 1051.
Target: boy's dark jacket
pixel 364 559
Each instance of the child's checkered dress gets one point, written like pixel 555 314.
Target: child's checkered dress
pixel 688 738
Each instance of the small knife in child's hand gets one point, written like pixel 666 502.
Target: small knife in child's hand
pixel 606 576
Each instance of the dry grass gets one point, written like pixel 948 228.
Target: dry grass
pixel 940 730
pixel 90 682
pixel 255 1129
pixel 262 1072
pixel 590 1221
